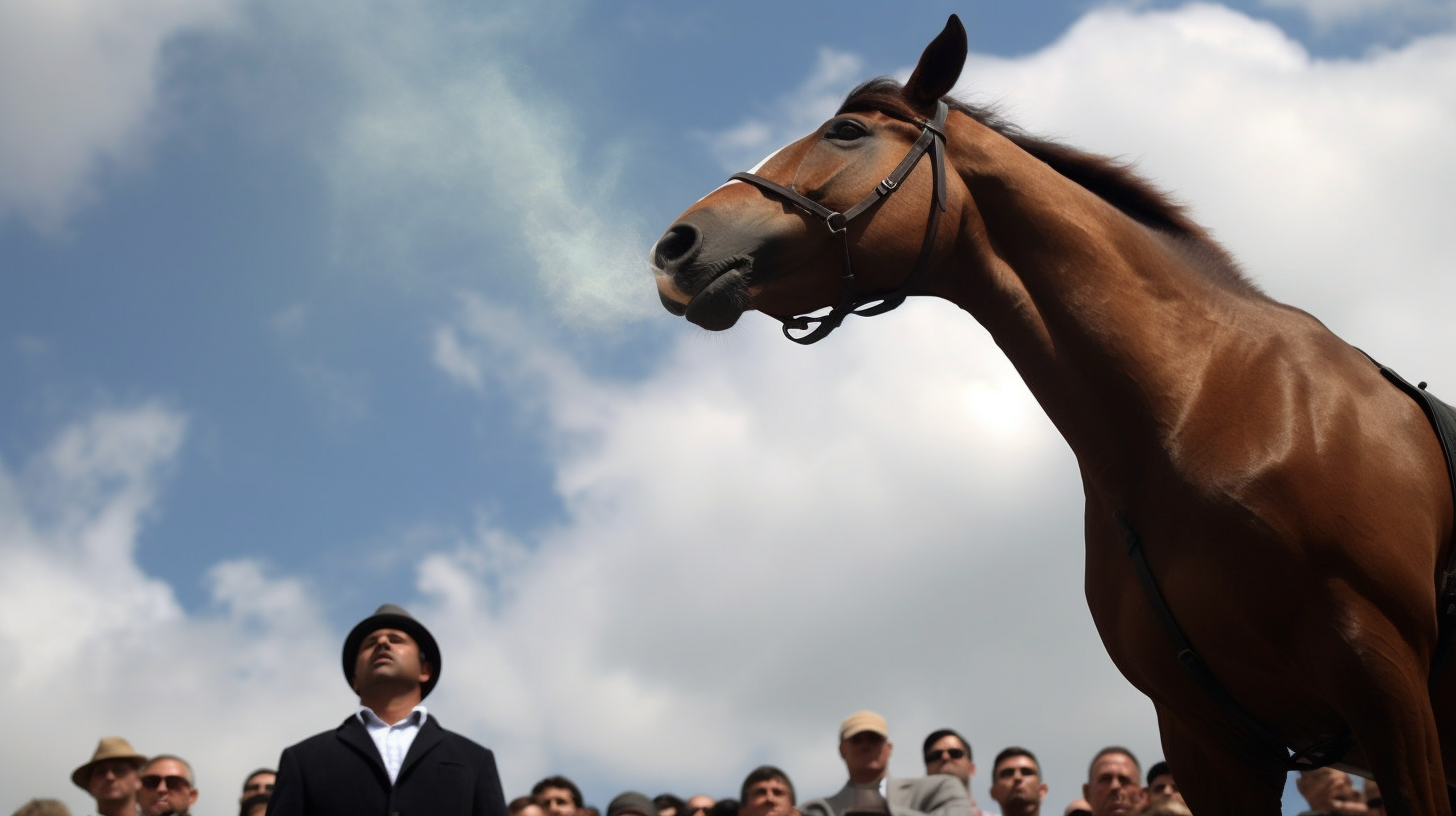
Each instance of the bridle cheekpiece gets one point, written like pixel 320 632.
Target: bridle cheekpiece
pixel 932 141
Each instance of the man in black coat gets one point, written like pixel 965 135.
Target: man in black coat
pixel 391 757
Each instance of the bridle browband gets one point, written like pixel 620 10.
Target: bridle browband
pixel 932 140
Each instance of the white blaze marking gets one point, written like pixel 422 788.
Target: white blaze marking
pixel 754 169
pixel 767 159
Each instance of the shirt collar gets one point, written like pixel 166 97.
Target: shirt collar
pixel 416 717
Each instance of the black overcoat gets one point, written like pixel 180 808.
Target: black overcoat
pixel 340 773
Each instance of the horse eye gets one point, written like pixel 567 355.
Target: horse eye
pixel 846 130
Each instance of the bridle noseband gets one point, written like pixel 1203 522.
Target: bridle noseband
pixel 932 140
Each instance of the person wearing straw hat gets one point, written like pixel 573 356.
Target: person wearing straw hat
pixel 111 777
pixel 391 756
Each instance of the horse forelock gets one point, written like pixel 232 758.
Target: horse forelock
pixel 1112 180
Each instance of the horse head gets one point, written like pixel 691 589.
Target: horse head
pixel 815 225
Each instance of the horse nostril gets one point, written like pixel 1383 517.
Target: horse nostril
pixel 677 246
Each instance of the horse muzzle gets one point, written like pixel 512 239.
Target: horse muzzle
pixel 707 284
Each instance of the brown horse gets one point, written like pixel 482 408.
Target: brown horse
pixel 1292 507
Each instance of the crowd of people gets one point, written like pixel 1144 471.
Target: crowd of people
pixel 1114 786
pixel 393 759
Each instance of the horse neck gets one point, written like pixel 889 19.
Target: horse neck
pixel 1106 320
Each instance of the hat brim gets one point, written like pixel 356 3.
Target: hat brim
pixel 429 651
pixel 82 775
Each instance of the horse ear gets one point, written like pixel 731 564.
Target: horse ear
pixel 939 67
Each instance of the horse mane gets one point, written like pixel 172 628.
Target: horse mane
pixel 1112 180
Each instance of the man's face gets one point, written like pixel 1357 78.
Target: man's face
pixel 1164 789
pixel 113 780
pixel 391 657
pixel 948 755
pixel 766 796
pixel 866 755
pixel 1114 789
pixel 1017 781
pixel 166 788
pixel 1329 791
pixel 699 804
pixel 557 802
pixel 259 783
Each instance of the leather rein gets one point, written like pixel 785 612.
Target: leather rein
pixel 932 141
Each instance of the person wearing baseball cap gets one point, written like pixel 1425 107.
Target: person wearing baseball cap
pixel 391 756
pixel 865 747
pixel 112 777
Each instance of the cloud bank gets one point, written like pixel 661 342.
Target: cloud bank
pixel 80 94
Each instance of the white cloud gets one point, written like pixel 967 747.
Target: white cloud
pixel 1327 13
pixel 99 647
pixel 1329 179
pixel 79 93
pixel 760 540
pixel 448 144
pixel 451 359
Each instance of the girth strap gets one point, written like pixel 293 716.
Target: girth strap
pixel 1443 421
pixel 1316 756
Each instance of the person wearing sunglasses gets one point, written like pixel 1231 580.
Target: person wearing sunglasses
pixel 699 805
pixel 259 781
pixel 168 788
pixel 947 752
pixel 391 755
pixel 865 747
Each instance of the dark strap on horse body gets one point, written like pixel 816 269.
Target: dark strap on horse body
pixel 1316 756
pixel 932 141
pixel 1443 421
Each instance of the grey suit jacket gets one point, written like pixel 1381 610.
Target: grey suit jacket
pixel 936 795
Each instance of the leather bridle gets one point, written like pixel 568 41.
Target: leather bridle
pixel 932 140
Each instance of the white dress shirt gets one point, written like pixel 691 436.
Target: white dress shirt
pixel 393 741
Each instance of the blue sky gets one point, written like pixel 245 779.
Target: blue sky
pixel 309 307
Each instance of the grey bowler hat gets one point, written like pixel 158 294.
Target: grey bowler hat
pixel 390 616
